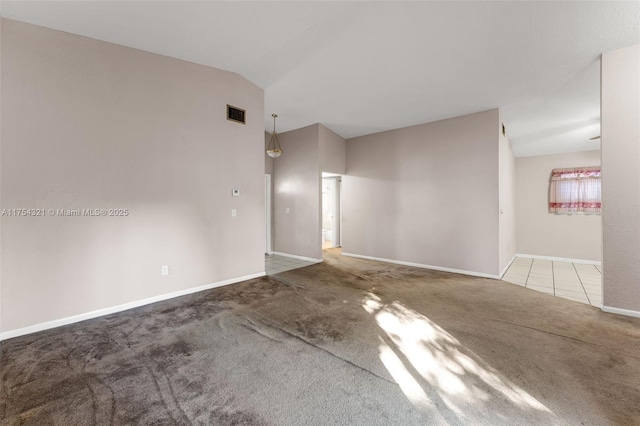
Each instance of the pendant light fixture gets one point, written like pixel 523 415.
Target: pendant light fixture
pixel 274 150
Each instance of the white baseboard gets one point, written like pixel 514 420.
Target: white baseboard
pixel 113 309
pixel 420 265
pixel 559 259
pixel 504 271
pixel 620 311
pixel 295 256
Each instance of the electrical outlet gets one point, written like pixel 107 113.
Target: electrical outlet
pixel 234 213
pixel 165 270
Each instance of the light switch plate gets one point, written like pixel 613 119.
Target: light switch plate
pixel 287 210
pixel 234 213
pixel 235 192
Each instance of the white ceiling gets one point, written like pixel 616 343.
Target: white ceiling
pixel 363 67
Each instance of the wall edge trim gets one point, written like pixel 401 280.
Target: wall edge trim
pixel 119 308
pixel 295 256
pixel 620 311
pixel 559 259
pixel 504 271
pixel 423 266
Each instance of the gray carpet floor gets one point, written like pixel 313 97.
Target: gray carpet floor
pixel 348 341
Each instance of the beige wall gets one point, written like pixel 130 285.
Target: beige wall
pixel 88 124
pixel 426 194
pixel 296 185
pixel 621 178
pixel 507 197
pixel 545 234
pixel 307 152
pixel 332 152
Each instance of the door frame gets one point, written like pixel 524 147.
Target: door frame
pixel 337 242
pixel 336 211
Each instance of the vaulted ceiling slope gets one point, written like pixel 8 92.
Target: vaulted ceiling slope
pixel 364 67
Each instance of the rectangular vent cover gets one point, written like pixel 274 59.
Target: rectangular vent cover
pixel 235 114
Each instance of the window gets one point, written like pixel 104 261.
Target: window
pixel 575 190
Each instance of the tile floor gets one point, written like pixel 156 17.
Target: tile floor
pixel 576 281
pixel 274 264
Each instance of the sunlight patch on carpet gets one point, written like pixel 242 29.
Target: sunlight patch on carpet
pixel 433 368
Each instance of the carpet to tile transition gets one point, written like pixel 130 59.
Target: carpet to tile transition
pixel 349 341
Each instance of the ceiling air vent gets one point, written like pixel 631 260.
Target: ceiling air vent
pixel 235 114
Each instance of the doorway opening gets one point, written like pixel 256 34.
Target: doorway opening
pixel 267 213
pixel 331 211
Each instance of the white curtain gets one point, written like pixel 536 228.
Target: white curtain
pixel 575 190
